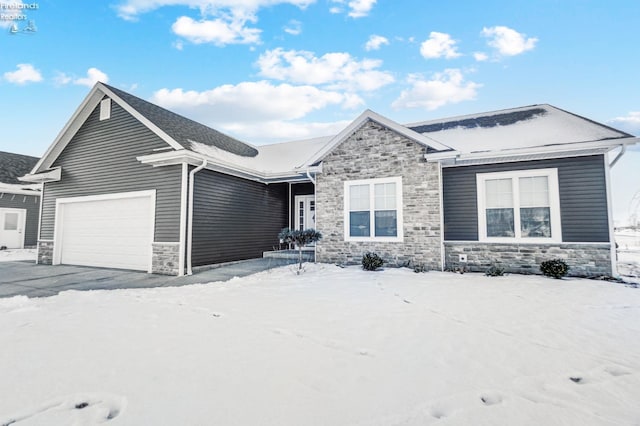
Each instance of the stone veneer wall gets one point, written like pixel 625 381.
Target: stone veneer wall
pixel 165 258
pixel 45 252
pixel 585 260
pixel 374 151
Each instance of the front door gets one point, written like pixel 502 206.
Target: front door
pixel 12 223
pixel 305 212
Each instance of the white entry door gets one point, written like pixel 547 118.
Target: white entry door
pixel 305 212
pixel 12 222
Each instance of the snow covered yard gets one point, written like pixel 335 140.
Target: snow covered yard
pixel 331 347
pixel 11 255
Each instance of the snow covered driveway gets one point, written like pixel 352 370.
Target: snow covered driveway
pixel 330 347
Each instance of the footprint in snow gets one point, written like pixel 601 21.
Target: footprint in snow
pixel 491 398
pixel 91 408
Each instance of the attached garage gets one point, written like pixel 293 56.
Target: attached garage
pixel 110 231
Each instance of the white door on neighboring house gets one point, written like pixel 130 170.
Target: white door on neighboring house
pixel 12 222
pixel 305 212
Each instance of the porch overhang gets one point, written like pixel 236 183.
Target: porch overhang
pixel 52 175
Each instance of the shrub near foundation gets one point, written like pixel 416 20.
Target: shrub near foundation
pixel 556 268
pixel 371 261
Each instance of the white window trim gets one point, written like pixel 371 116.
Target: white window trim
pixel 554 205
pixel 347 184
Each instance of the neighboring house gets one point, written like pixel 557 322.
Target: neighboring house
pixel 128 184
pixel 19 202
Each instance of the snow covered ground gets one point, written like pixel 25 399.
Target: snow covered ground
pixel 330 347
pixel 17 254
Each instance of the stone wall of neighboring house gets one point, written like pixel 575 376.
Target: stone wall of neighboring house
pixel 585 260
pixel 374 151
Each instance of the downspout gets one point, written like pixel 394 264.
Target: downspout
pixel 192 174
pixel 619 156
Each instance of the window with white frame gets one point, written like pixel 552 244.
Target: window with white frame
pixel 373 209
pixel 521 205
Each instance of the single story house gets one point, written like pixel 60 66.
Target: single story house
pixel 128 184
pixel 19 202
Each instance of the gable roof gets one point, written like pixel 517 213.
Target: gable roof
pixel 525 127
pixel 369 115
pixel 13 166
pixel 184 130
pixel 177 131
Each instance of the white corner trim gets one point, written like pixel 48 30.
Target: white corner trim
pixel 53 175
pixel 612 237
pixel 399 210
pixel 554 205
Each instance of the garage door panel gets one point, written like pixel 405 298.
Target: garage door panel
pixel 113 233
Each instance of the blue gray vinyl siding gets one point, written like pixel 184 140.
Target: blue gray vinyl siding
pixel 583 197
pixel 101 159
pixel 30 203
pixel 235 219
pixel 298 189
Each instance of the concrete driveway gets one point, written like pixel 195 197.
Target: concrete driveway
pixel 28 279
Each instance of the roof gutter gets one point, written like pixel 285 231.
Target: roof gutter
pixel 192 175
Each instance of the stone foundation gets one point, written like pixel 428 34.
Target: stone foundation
pixel 165 258
pixel 45 252
pixel 584 260
pixel 374 151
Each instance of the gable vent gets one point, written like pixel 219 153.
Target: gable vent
pixel 105 109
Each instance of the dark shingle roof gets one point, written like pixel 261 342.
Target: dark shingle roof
pixel 13 166
pixel 501 119
pixel 184 130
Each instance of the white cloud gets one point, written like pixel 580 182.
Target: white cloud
pixel 277 130
pixel 131 9
pixel 360 8
pixel 337 70
pixel 25 73
pixel 221 22
pixel 219 31
pixel 94 75
pixel 293 27
pixel 250 102
pixel 439 45
pixel 480 56
pixel 629 123
pixel 375 42
pixel 447 87
pixel 357 8
pixel 507 41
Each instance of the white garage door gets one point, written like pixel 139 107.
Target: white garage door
pixel 111 233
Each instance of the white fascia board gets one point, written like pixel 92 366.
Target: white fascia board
pixel 69 130
pixel 18 191
pixel 194 159
pixel 565 149
pixel 375 117
pixel 81 114
pixel 52 175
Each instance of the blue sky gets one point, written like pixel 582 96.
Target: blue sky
pixel 275 70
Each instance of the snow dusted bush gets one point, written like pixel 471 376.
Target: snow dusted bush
pixel 556 268
pixel 494 271
pixel 371 261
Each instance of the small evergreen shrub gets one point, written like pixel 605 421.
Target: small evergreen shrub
pixel 494 271
pixel 371 261
pixel 556 268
